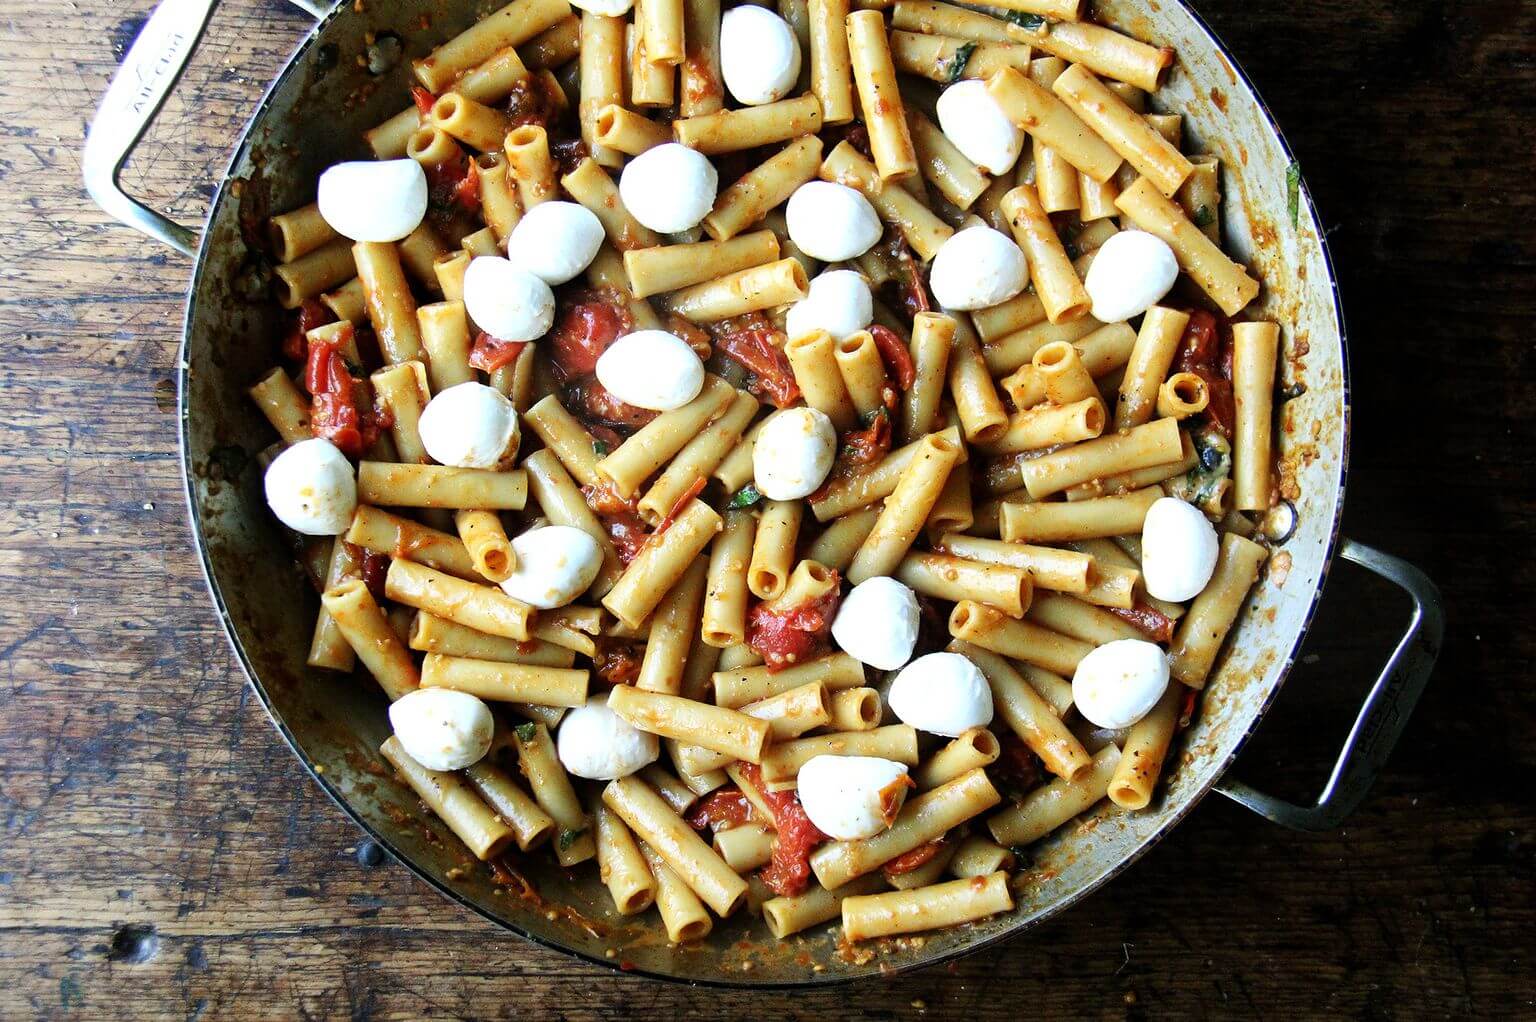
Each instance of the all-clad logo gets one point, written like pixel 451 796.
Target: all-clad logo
pixel 153 73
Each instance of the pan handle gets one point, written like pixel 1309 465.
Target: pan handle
pixel 1384 713
pixel 138 90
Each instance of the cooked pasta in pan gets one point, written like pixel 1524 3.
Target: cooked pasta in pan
pixel 764 458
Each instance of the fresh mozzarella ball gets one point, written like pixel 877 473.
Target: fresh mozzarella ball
pixel 669 188
pixel 1130 272
pixel 1178 550
pixel 469 425
pixel 831 222
pixel 1119 682
pixel 598 744
pixel 877 623
pixel 793 453
pixel 651 369
pixel 759 55
pixel 976 269
pixel 942 693
pixel 555 564
pixel 311 488
pixel 607 8
pixel 852 797
pixel 506 301
pixel 838 302
pixel 442 729
pixel 374 200
pixel 555 241
pixel 972 120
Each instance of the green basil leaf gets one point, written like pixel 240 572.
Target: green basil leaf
pixel 745 497
pixel 957 64
pixel 1032 22
pixel 567 838
pixel 1293 191
pixel 1204 217
pixel 526 732
pixel 600 448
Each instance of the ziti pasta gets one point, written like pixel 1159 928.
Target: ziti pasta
pixel 660 416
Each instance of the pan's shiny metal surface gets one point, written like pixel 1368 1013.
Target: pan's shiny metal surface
pixel 313 116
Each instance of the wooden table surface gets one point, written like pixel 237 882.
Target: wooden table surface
pixel 163 854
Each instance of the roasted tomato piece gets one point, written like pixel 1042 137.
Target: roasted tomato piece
pixel 787 635
pixel 584 330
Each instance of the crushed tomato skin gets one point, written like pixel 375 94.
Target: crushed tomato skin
pixel 1151 622
pixel 617 661
pixel 310 315
pixel 339 411
pixel 749 341
pixel 919 856
pixel 895 356
pixel 584 330
pixel 1206 351
pixel 789 872
pixel 726 807
pixel 785 637
pixel 492 353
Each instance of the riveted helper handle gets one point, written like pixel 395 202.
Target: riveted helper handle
pixel 1384 713
pixel 145 78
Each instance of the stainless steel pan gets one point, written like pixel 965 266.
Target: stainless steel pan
pixel 313 115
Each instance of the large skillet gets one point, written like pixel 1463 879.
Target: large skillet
pixel 314 114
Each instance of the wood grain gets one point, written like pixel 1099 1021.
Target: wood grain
pixel 163 855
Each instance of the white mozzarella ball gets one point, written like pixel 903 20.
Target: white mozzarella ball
pixel 1178 550
pixel 877 623
pixel 1129 274
pixel 651 369
pixel 759 55
pixel 374 200
pixel 507 301
pixel 607 8
pixel 1119 682
pixel 942 693
pixel 598 744
pixel 831 222
pixel 442 729
pixel 852 797
pixel 838 302
pixel 555 564
pixel 469 425
pixel 977 268
pixel 793 453
pixel 669 188
pixel 312 489
pixel 555 241
pixel 972 120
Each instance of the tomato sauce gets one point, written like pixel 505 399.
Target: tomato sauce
pixel 789 872
pixel 727 807
pixel 785 637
